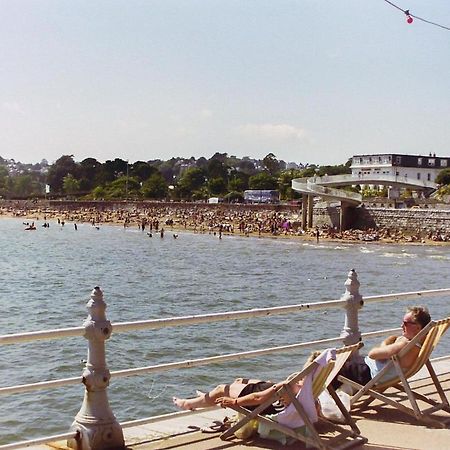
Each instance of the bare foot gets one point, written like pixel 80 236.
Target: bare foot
pixel 181 403
pixel 200 393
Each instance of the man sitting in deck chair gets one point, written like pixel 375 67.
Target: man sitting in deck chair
pixel 298 393
pixel 392 364
pixel 362 371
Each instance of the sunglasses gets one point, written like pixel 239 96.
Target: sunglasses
pixel 409 322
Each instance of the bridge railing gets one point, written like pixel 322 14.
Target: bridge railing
pixel 332 192
pixel 372 178
pixel 309 186
pixel 95 426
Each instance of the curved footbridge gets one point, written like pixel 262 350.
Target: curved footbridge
pixel 325 188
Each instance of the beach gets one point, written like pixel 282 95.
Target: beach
pixel 224 220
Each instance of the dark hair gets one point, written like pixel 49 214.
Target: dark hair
pixel 420 315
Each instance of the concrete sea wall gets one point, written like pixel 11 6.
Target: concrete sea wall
pixel 409 220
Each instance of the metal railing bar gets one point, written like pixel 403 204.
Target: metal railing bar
pixel 167 366
pixel 41 385
pixel 215 317
pixel 220 358
pixel 220 317
pixel 187 363
pixel 172 321
pixel 43 440
pixel 41 335
pixel 371 334
pixel 405 295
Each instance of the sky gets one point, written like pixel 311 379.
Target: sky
pixel 311 81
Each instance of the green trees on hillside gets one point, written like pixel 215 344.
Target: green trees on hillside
pixel 176 179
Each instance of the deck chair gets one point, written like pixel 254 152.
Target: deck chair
pixel 375 389
pixel 322 377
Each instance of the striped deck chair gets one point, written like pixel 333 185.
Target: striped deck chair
pixel 430 336
pixel 322 377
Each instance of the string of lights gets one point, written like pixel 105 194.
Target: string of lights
pixel 410 17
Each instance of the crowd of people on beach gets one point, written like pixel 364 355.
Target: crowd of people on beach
pixel 218 221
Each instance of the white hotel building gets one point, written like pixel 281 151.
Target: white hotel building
pixel 413 167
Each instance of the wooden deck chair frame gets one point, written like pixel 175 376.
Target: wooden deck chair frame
pixel 430 334
pixel 322 380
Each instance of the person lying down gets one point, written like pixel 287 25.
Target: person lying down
pixel 249 393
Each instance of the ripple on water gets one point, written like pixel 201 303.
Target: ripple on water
pixel 50 274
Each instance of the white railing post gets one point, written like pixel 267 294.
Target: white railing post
pixel 95 423
pixel 351 334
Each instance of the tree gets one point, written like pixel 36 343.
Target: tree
pixel 217 169
pixel 262 180
pixel 443 177
pixel 271 164
pixel 99 193
pixel 124 187
pixel 110 170
pixel 222 157
pixel 70 184
pixel 3 181
pixel 142 170
pixel 61 168
pixel 217 186
pixel 201 162
pixel 155 187
pixel 238 182
pixel 89 172
pixel 191 180
pixel 24 186
pixel 247 166
pixel 285 184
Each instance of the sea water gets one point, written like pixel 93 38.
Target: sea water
pixel 47 276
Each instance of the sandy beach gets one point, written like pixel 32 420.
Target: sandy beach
pixel 196 218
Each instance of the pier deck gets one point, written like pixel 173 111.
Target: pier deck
pixel 384 427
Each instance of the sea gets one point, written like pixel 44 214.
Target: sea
pixel 47 276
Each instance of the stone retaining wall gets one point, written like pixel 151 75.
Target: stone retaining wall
pixel 412 220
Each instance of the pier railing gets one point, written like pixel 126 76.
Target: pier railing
pixel 95 426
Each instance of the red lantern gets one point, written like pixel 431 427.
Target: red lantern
pixel 409 19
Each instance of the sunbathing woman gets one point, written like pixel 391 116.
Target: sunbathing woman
pixel 243 392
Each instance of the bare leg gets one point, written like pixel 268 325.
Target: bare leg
pixel 203 400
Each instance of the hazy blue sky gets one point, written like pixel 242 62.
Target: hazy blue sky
pixel 309 80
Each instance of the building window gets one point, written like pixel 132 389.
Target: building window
pixel 429 177
pixel 443 163
pixel 418 175
pixel 431 162
pixel 419 161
